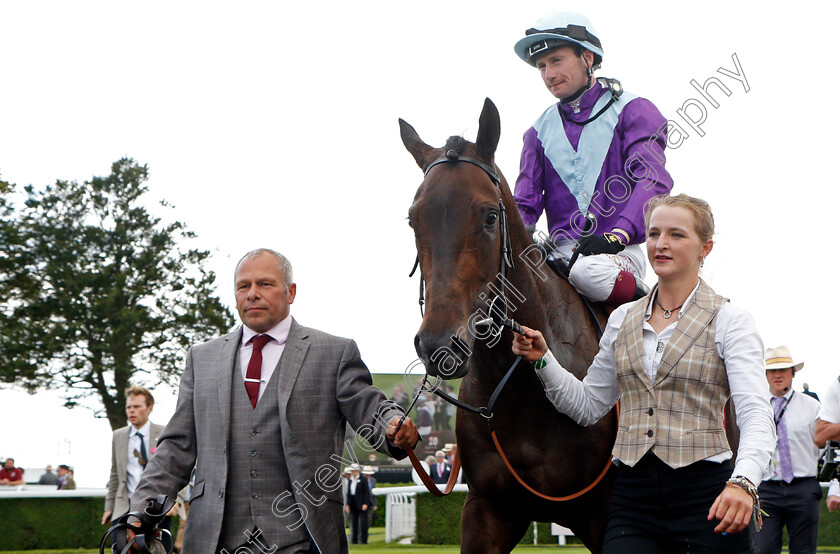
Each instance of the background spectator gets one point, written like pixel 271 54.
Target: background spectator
pixel 48 478
pixel 11 475
pixel 65 478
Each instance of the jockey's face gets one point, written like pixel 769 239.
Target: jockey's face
pixel 564 72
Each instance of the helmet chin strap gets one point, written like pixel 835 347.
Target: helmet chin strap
pixel 585 87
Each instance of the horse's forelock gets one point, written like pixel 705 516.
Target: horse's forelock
pixel 457 143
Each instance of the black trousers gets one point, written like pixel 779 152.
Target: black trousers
pixel 659 510
pixel 796 505
pixel 359 525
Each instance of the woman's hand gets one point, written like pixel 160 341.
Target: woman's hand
pixel 734 508
pixel 531 345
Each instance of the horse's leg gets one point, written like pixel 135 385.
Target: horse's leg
pixel 589 527
pixel 487 529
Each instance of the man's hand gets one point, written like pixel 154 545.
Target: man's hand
pixel 734 508
pixel 407 436
pixel 608 243
pixel 833 502
pixel 531 345
pixel 106 517
pixel 364 507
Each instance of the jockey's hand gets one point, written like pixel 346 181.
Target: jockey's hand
pixel 530 345
pixel 734 508
pixel 608 243
pixel 407 436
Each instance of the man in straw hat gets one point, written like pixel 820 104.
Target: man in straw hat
pixel 790 492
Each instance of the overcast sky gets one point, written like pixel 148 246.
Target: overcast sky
pixel 275 124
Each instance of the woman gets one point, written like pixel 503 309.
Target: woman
pixel 674 358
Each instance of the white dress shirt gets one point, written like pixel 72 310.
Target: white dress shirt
pixel 800 419
pixel 737 342
pixel 830 407
pixel 133 469
pixel 271 352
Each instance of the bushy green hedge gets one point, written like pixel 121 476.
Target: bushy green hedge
pixel 439 522
pixel 32 523
pixel 53 523
pixel 439 518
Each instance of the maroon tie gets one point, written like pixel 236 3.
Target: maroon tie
pixel 252 376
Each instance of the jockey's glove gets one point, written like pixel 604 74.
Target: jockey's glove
pixel 608 243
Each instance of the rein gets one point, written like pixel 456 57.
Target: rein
pixel 506 263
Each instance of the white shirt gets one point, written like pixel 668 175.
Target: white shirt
pixel 830 407
pixel 800 419
pixel 133 469
pixel 271 352
pixel 737 342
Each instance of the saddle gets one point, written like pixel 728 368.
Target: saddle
pixel 562 268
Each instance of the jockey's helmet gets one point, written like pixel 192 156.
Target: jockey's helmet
pixel 558 29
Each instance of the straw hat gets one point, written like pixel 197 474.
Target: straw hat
pixel 368 470
pixel 355 467
pixel 450 446
pixel 780 358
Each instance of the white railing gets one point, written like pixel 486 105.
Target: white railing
pixel 46 491
pixel 401 511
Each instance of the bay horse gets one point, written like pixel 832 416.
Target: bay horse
pixel 477 262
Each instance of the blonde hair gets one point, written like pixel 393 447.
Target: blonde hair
pixel 704 221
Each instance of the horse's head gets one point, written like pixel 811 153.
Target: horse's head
pixel 459 221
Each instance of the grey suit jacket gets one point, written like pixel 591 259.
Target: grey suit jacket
pixel 116 499
pixel 323 384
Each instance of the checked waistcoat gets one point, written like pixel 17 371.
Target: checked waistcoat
pixel 681 415
pixel 258 493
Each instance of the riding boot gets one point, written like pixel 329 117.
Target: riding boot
pixel 642 290
pixel 624 289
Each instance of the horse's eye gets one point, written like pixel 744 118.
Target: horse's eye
pixel 491 218
pixel 410 223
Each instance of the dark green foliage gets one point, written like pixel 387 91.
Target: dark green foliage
pixel 52 523
pixel 439 518
pixel 30 523
pixel 98 292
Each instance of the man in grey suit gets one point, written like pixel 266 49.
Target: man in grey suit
pixel 261 415
pixel 131 448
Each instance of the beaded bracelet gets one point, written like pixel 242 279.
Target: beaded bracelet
pixel 746 485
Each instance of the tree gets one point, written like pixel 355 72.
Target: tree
pixel 105 294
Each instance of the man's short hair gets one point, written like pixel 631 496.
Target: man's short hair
pixel 64 467
pixel 135 390
pixel 9 460
pixel 285 264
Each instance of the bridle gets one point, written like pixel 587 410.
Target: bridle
pixel 505 265
pixel 506 257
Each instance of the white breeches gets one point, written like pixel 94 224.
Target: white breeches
pixel 594 276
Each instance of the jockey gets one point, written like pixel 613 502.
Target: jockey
pixel 591 161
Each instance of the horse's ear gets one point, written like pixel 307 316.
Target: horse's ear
pixel 414 144
pixel 489 129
